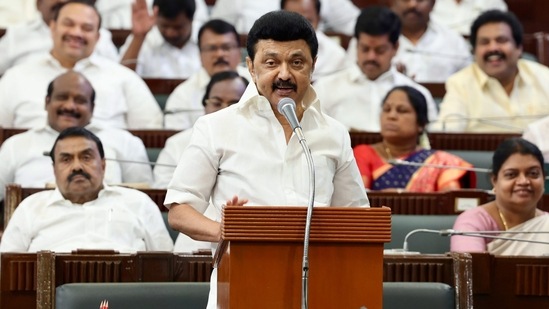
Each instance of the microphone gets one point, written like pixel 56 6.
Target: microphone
pixel 493 121
pixel 47 154
pixel 482 234
pixel 469 169
pixel 436 54
pixel 286 106
pixel 182 110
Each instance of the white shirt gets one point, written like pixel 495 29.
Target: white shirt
pixel 460 16
pixel 122 219
pixel 29 167
pixel 336 15
pixel 117 14
pixel 123 100
pixel 14 12
pixel 536 133
pixel 439 53
pixel 31 39
pixel 184 105
pixel 169 155
pixel 355 101
pixel 331 57
pixel 159 59
pixel 241 150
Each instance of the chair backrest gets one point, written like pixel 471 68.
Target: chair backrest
pixel 418 295
pixel 142 295
pixel 401 225
pixel 480 159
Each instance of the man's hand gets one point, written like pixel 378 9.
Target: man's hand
pixel 235 201
pixel 142 21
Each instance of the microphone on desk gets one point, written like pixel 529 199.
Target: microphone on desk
pixel 436 54
pixel 47 154
pixel 286 107
pixel 482 234
pixel 469 169
pixel 497 122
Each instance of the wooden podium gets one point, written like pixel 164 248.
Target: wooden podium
pixel 260 257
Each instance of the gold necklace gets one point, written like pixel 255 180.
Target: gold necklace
pixel 502 219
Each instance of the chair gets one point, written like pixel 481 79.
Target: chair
pixel 480 159
pixel 161 88
pixel 142 295
pixel 418 295
pixel 401 225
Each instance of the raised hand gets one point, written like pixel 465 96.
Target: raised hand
pixel 142 21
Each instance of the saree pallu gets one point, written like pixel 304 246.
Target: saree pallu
pixel 377 174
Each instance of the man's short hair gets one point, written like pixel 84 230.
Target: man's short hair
pixel 219 77
pixel 78 132
pixel 91 3
pixel 282 26
pixel 51 88
pixel 170 9
pixel 317 5
pixel 220 27
pixel 377 21
pixel 497 16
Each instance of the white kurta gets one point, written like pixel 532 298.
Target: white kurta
pixel 121 219
pixel 460 16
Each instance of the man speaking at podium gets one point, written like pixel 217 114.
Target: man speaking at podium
pixel 247 153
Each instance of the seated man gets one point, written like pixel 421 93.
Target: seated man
pixel 428 51
pixel 160 45
pixel 70 103
pixel 224 89
pixel 499 92
pixel 459 15
pixel 123 99
pixel 219 51
pixel 332 58
pixel 33 38
pixel 84 212
pixel 354 95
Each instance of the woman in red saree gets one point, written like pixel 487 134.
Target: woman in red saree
pixel 403 120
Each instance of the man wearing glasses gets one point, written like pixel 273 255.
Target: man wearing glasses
pixel 219 51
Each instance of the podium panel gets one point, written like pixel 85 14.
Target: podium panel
pixel 260 259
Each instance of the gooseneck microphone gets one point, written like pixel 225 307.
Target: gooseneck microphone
pixel 442 166
pixel 47 154
pixel 482 234
pixel 286 107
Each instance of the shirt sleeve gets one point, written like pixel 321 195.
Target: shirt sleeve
pixel 134 150
pixel 453 110
pixel 17 236
pixel 157 237
pixel 470 221
pixel 143 110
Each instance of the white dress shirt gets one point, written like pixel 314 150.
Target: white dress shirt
pixel 121 219
pixel 27 165
pixel 439 53
pixel 159 59
pixel 184 105
pixel 536 133
pixel 241 150
pixel 355 101
pixel 14 12
pixel 123 100
pixel 336 15
pixel 331 57
pixel 475 102
pixel 32 39
pixel 460 16
pixel 169 156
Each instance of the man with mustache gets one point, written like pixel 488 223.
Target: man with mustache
pixel 219 51
pixel 30 39
pixel 354 95
pixel 499 92
pixel 161 44
pixel 123 99
pixel 83 212
pixel 70 102
pixel 428 52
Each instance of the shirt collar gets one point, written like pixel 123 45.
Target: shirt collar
pixel 356 75
pixel 57 198
pixel 483 78
pixel 92 60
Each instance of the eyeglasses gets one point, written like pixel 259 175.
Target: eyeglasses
pixel 214 48
pixel 216 103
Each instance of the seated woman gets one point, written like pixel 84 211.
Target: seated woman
pixel 403 120
pixel 518 179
